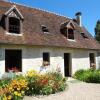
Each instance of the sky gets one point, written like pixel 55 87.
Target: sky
pixel 90 9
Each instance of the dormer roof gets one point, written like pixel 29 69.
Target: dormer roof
pixel 13 11
pixel 69 24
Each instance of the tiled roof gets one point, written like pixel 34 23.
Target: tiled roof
pixel 33 35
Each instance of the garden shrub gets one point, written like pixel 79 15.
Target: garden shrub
pixel 90 75
pixel 46 84
pixel 31 84
pixel 79 74
pixel 56 81
pixel 15 90
pixel 46 90
pixel 94 77
pixel 4 82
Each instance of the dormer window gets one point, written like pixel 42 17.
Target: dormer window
pixel 84 35
pixel 13 21
pixel 14 25
pixel 68 32
pixel 67 29
pixel 64 31
pixel 71 34
pixel 44 29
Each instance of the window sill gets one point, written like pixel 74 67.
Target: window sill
pixel 14 34
pixel 71 40
pixel 46 32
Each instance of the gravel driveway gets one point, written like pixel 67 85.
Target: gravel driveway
pixel 76 91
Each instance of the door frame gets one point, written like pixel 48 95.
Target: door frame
pixel 70 64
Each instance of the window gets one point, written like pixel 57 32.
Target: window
pixel 46 56
pixel 46 59
pixel 92 60
pixel 14 25
pixel 13 21
pixel 64 31
pixel 13 60
pixel 84 35
pixel 70 34
pixel 44 29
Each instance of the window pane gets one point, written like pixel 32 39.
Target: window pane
pixel 70 34
pixel 64 32
pixel 14 25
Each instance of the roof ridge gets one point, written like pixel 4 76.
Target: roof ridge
pixel 50 12
pixel 5 1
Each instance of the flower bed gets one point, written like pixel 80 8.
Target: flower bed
pixel 90 76
pixel 31 84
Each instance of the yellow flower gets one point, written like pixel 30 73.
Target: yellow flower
pixel 16 93
pixel 4 98
pixel 32 73
pixel 19 94
pixel 9 97
pixel 18 89
pixel 22 92
pixel 10 88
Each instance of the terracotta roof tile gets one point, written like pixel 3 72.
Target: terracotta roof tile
pixel 33 35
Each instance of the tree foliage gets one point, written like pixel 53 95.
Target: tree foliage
pixel 97 31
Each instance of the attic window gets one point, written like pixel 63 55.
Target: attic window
pixel 44 29
pixel 70 34
pixel 14 25
pixel 84 35
pixel 13 21
pixel 64 32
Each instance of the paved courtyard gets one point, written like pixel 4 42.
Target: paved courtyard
pixel 76 91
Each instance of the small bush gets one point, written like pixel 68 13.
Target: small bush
pixel 94 77
pixel 31 84
pixel 15 90
pixel 79 74
pixel 4 82
pixel 46 90
pixel 90 76
pixel 45 84
pixel 57 81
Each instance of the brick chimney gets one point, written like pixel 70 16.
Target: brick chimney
pixel 78 18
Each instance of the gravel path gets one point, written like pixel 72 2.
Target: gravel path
pixel 76 91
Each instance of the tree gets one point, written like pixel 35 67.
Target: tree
pixel 97 31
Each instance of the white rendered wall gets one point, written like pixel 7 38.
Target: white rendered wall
pixel 2 61
pixel 98 60
pixel 81 59
pixel 32 57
